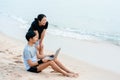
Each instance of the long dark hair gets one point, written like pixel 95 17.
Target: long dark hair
pixel 40 17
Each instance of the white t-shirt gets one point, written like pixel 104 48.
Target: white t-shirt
pixel 29 53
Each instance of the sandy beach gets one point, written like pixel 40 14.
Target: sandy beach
pixel 12 67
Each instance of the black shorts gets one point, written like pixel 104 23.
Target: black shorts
pixel 34 69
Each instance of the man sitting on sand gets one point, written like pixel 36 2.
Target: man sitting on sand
pixel 31 62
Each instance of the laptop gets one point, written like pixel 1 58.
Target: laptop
pixel 53 57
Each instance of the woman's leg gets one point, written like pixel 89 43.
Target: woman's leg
pixel 55 67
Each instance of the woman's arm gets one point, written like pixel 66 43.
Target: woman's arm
pixel 42 36
pixel 40 56
pixel 41 44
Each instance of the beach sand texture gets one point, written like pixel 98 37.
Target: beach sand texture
pixel 12 68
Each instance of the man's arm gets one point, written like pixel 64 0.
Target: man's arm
pixel 32 63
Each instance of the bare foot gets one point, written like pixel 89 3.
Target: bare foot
pixel 76 74
pixel 71 75
pixel 54 72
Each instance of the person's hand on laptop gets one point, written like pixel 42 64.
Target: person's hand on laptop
pixel 45 60
pixel 51 55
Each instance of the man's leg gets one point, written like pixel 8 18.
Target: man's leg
pixel 55 67
pixel 62 66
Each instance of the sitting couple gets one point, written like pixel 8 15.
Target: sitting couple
pixel 33 55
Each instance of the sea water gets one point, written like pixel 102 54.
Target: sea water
pixel 76 19
pixel 88 19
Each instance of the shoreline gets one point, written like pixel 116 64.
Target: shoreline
pixel 12 65
pixel 101 54
pixel 98 53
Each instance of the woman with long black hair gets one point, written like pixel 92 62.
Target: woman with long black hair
pixel 40 24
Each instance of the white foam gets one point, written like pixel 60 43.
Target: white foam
pixel 71 35
pixel 68 32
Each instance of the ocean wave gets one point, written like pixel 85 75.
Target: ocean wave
pixel 66 33
pixel 85 35
pixel 74 33
pixel 22 22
